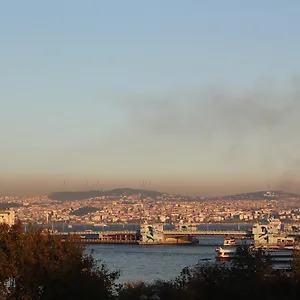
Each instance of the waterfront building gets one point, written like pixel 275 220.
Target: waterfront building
pixel 271 234
pixel 7 216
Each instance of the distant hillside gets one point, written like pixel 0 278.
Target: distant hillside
pixel 9 205
pixel 275 195
pixel 81 195
pixel 82 211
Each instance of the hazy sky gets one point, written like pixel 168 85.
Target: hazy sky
pixel 160 90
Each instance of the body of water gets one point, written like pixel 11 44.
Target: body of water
pixel 147 263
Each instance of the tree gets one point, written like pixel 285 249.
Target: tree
pixel 249 276
pixel 36 265
pixel 296 266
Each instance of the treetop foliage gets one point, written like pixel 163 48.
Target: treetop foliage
pixel 36 265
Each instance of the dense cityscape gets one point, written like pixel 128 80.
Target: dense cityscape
pixel 149 150
pixel 137 208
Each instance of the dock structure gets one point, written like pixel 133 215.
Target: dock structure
pixel 149 235
pixel 104 237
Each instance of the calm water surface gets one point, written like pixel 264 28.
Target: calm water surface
pixel 147 263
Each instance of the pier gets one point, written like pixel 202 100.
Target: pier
pixel 104 237
pixel 149 235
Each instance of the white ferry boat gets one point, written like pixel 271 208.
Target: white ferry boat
pixel 277 255
pixel 225 254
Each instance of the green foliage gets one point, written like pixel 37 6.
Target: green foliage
pixel 36 265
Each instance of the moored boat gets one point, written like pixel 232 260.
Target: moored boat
pixel 229 241
pixel 99 225
pixel 276 255
pixel 267 248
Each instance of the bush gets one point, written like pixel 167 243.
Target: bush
pixel 36 265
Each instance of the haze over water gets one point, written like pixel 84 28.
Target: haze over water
pixel 200 98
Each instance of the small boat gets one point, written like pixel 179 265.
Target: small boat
pixel 70 226
pixel 99 225
pixel 229 242
pixel 224 254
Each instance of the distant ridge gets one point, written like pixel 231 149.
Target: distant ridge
pixel 275 195
pixel 81 195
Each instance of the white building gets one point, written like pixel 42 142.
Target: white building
pixel 270 234
pixel 7 216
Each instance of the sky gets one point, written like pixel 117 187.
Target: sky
pixel 196 96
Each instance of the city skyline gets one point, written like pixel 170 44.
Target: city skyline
pixel 198 98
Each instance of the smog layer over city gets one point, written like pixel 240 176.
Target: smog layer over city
pixel 147 124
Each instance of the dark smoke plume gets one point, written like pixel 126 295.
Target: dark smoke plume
pixel 264 121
